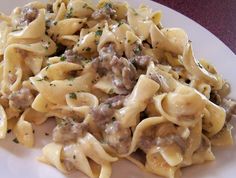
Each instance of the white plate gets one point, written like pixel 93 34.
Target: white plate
pixel 19 162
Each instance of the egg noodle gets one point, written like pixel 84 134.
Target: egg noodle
pixel 117 83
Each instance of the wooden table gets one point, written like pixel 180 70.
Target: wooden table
pixel 217 16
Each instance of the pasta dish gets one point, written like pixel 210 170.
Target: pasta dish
pixel 116 82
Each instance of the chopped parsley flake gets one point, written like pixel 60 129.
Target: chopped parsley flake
pixel 120 23
pixel 71 78
pixel 45 78
pixel 48 66
pixel 88 49
pixel 94 81
pixel 111 91
pixel 46 44
pixel 199 65
pixel 85 5
pixel 17 29
pixel 86 61
pixel 52 84
pixel 9 131
pixel 73 96
pixel 63 58
pixel 15 140
pixel 138 49
pixel 98 33
pixel 108 5
pixel 134 12
pixel 69 13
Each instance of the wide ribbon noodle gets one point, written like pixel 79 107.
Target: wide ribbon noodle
pixel 117 83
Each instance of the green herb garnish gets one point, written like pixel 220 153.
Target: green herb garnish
pixel 199 65
pixel 138 49
pixel 88 49
pixel 9 131
pixel 73 96
pixel 85 5
pixel 120 23
pixel 48 65
pixel 98 33
pixel 63 58
pixel 108 5
pixel 111 91
pixel 17 29
pixel 45 78
pixel 15 140
pixel 69 14
pixel 52 84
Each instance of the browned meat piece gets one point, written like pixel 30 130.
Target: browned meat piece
pixel 21 99
pixel 116 101
pixel 117 64
pixel 146 143
pixel 68 130
pixel 120 88
pixel 107 52
pixel 98 65
pixel 102 115
pixel 161 135
pixel 124 72
pixel 141 61
pixel 29 14
pixel 105 12
pixel 230 108
pixel 102 62
pixel 72 56
pixel 170 139
pixel 129 76
pixel 147 139
pixel 117 137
